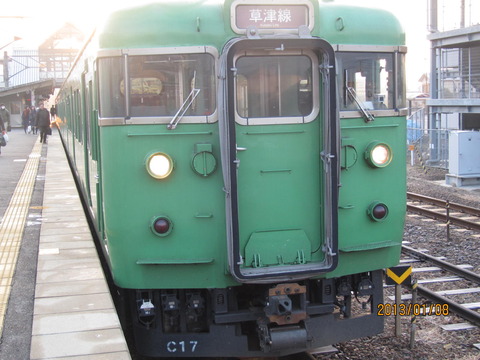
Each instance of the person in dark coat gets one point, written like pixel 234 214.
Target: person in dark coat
pixel 5 115
pixel 2 130
pixel 25 120
pixel 53 112
pixel 32 118
pixel 43 122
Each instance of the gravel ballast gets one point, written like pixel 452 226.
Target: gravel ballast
pixel 431 341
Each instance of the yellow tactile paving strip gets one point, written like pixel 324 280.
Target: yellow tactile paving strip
pixel 11 228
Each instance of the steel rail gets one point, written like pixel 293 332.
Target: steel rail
pixel 444 204
pixel 443 217
pixel 466 274
pixel 462 311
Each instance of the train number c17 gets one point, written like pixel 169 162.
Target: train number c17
pixel 181 346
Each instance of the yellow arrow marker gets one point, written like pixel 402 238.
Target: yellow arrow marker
pixel 399 279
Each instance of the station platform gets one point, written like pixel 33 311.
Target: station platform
pixel 46 246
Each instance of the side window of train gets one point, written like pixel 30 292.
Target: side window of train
pixel 273 89
pixel 110 76
pixel 369 79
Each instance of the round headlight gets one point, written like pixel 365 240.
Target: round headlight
pixel 159 165
pixel 378 154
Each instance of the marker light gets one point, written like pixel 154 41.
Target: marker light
pixel 378 154
pixel 161 226
pixel 377 211
pixel 159 165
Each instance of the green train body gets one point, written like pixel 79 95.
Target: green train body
pixel 244 166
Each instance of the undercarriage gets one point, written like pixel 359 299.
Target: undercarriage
pixel 256 320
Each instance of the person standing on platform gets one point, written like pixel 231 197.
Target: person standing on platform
pixel 25 118
pixel 2 130
pixel 5 115
pixel 53 112
pixel 43 123
pixel 32 118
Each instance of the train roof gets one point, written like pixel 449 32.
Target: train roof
pixel 208 22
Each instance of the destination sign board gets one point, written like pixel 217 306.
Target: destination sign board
pixel 275 17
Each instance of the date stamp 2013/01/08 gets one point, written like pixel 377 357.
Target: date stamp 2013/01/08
pixel 413 309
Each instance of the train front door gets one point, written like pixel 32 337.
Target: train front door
pixel 281 158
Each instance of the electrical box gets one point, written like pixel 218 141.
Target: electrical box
pixel 464 153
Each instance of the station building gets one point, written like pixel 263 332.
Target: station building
pixel 447 136
pixel 31 76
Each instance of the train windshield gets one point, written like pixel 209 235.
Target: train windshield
pixel 274 89
pixel 370 79
pixel 157 85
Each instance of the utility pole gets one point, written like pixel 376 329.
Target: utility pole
pixel 5 68
pixel 6 60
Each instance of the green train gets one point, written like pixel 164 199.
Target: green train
pixel 244 165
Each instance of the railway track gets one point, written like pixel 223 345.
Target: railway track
pixel 466 311
pixel 445 211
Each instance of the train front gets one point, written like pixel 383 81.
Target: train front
pixel 220 157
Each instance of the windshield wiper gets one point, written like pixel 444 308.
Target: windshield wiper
pixel 183 109
pixel 367 114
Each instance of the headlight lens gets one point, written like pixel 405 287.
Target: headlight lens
pixel 378 154
pixel 159 165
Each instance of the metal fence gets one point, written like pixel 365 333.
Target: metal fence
pixel 23 68
pixel 456 14
pixel 428 147
pixel 459 73
pixel 29 66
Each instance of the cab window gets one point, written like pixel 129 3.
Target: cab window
pixel 274 89
pixel 368 78
pixel 160 84
pixel 157 86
